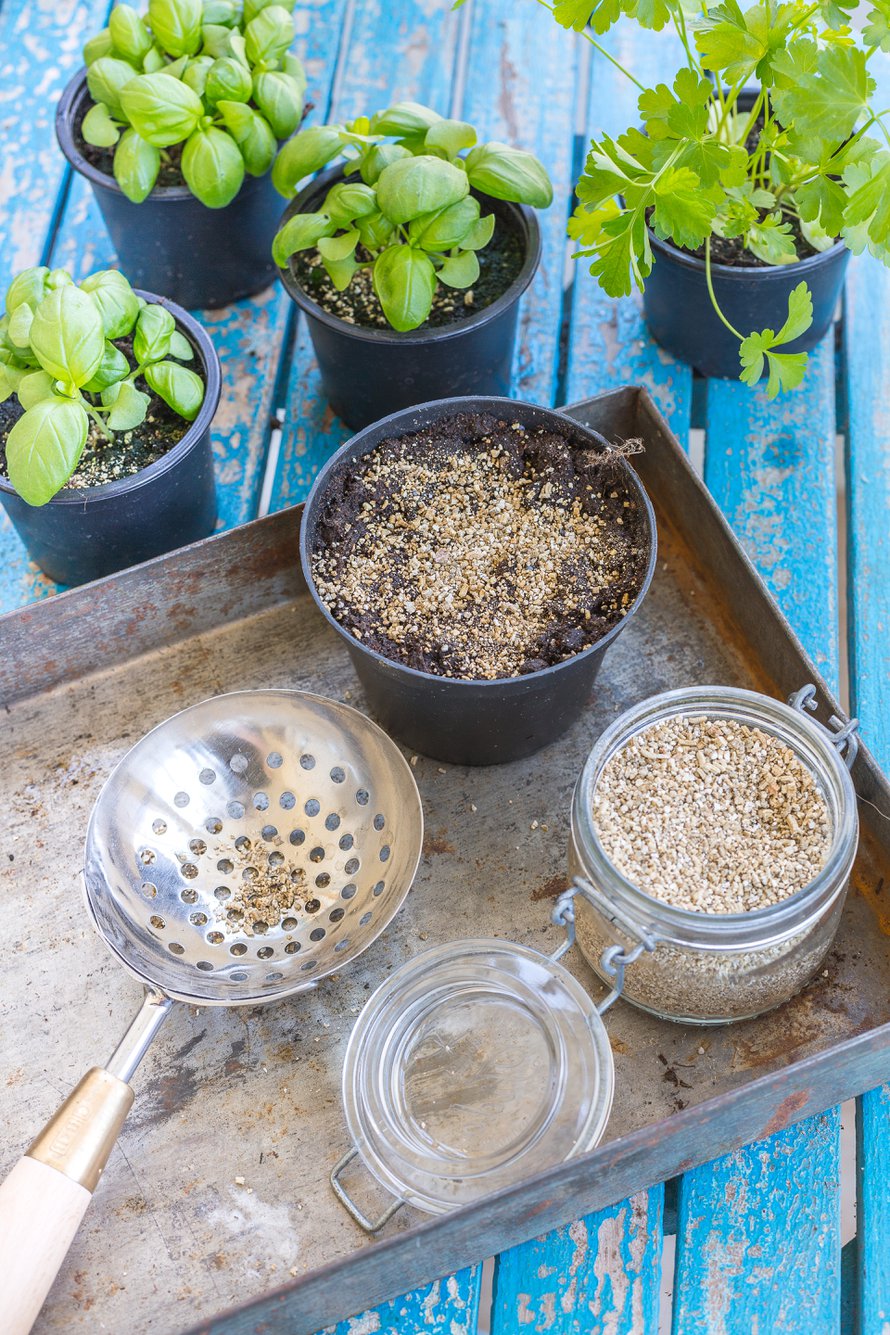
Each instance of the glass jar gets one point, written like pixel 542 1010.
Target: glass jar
pixel 710 968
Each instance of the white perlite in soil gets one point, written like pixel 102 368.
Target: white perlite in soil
pixel 711 815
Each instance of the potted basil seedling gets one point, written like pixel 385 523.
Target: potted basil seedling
pixel 175 122
pixel 410 259
pixel 106 399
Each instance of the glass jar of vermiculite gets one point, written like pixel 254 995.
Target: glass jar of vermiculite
pixel 717 828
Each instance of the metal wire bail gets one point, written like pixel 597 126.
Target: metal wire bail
pixel 844 735
pixel 614 959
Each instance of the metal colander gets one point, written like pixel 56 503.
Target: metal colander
pixel 250 845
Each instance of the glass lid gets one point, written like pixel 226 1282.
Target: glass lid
pixel 476 1064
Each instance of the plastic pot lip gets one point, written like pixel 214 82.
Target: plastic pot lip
pixel 66 109
pixel 532 235
pixel 199 338
pixel 434 410
pixel 746 272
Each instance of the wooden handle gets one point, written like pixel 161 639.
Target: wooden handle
pixel 40 1212
pixel 46 1195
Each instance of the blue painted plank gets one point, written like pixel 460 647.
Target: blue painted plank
pixel 873 1215
pixel 421 42
pixel 758 1246
pixel 602 1273
pixel 609 343
pixel 448 1307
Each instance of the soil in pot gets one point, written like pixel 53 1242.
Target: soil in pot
pixel 479 549
pixel 500 263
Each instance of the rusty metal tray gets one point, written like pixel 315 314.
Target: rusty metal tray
pixel 218 1194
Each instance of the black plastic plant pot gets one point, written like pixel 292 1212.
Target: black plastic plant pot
pixel 83 534
pixel 368 373
pixel 471 722
pixel 171 242
pixel 678 309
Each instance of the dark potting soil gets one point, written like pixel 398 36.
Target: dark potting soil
pixel 499 266
pixel 478 549
pixel 131 451
pixel 103 158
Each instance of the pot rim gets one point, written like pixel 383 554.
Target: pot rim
pixel 434 411
pixel 200 340
pixel 532 239
pixel 730 272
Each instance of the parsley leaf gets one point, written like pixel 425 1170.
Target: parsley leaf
pixel 785 369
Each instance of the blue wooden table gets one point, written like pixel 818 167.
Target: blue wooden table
pixel 758 1242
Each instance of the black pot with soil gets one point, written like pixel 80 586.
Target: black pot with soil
pixel 752 295
pixel 171 242
pixel 478 556
pixel 368 370
pixel 88 531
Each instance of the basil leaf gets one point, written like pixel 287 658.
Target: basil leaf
pixel 338 247
pixel 129 408
pixel 445 228
pixel 253 7
pixel 412 186
pixel 378 157
pixel 195 76
pixel 106 80
pixel 136 166
pixel 348 200
pixel 129 34
pixel 212 167
pixel 341 272
pixel 280 100
pixel 28 286
pixel 154 329
pixel 450 136
pixel 112 368
pixel 374 230
pixel 293 66
pixel 43 448
pixel 117 302
pixel 175 69
pixel 405 283
pixel 11 378
pixel 162 110
pixel 58 278
pixel 303 155
pixel 180 347
pixel 216 40
pixel 253 135
pixel 179 387
pixel 460 270
pixel 177 25
pixel 238 48
pixel 479 234
pixel 228 80
pixel 221 12
pixel 509 173
pixel 154 61
pixel 301 232
pixel 97 47
pixel 67 336
pixel 98 128
pixel 404 118
pixel 19 328
pixel 268 36
pixel 34 387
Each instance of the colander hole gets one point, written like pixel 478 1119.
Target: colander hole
pixel 215 938
pixel 363 797
pixel 243 844
pixel 260 927
pixel 313 905
pixel 312 807
pixel 341 945
pixel 336 914
pixel 379 888
pixel 238 763
pixel 149 889
pixel 307 965
pixel 204 965
pixel 346 842
pixel 317 934
pixel 261 802
pixel 249 874
pixel 198 847
pixel 274 977
pixel 213 825
pixel 234 915
pixel 175 948
pixel 332 822
pixel 235 810
pixel 287 801
pixel 197 919
pixel 297 837
pixel 239 948
pixel 348 892
pixel 223 893
pixel 316 855
pixel 289 924
pixel 274 760
pixel 292 947
pixel 181 800
pixel 157 922
pixel 147 856
pixel 364 919
pixel 189 871
pixel 338 774
pixel 207 776
pixel 307 762
pixel 189 896
pixel 270 832
pixel 239 976
pixel 159 827
pixel 225 865
pixel 352 866
pixel 276 859
pixel 265 953
pixel 323 880
pixel 384 853
pixel 379 821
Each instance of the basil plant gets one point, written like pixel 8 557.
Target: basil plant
pixel 60 357
pixel 210 88
pixel 405 209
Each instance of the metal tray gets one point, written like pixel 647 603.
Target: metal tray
pixel 218 1193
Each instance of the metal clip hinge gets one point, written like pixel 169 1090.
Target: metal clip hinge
pixel 843 735
pixel 369 1225
pixel 614 959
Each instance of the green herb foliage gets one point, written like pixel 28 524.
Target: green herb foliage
pixel 216 80
pixel 806 157
pixel 405 209
pixel 59 357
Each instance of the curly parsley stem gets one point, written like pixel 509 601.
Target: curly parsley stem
pixel 732 329
pixel 602 50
